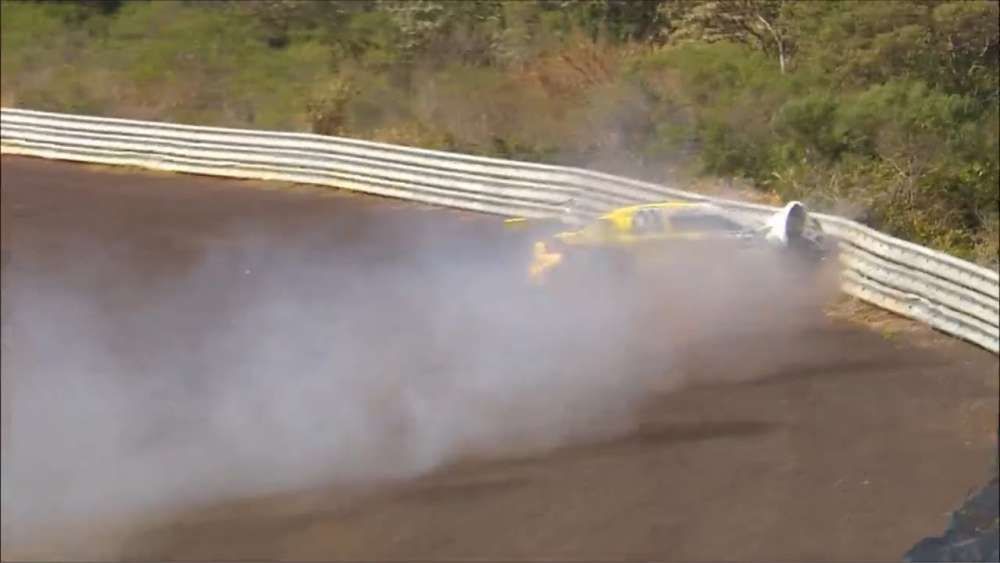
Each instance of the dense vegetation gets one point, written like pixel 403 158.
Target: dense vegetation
pixel 885 110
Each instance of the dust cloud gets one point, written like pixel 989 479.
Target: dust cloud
pixel 261 368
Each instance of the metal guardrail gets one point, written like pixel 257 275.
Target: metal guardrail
pixel 952 295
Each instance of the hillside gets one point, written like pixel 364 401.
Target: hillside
pixel 884 110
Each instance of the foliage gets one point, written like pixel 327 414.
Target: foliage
pixel 758 23
pixel 884 109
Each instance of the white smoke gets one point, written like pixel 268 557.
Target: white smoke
pixel 264 369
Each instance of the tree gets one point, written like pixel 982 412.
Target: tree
pixel 278 18
pixel 967 35
pixel 758 23
pixel 435 30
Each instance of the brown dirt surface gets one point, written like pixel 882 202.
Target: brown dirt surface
pixel 845 445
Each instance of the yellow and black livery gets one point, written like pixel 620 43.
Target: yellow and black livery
pixel 619 237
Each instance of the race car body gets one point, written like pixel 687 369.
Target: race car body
pixel 628 236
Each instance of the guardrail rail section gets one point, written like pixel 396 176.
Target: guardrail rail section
pixel 949 294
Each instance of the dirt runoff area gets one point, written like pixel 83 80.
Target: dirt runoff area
pixel 198 368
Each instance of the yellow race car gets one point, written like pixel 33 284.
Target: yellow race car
pixel 618 240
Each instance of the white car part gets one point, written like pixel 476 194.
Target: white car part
pixel 787 224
